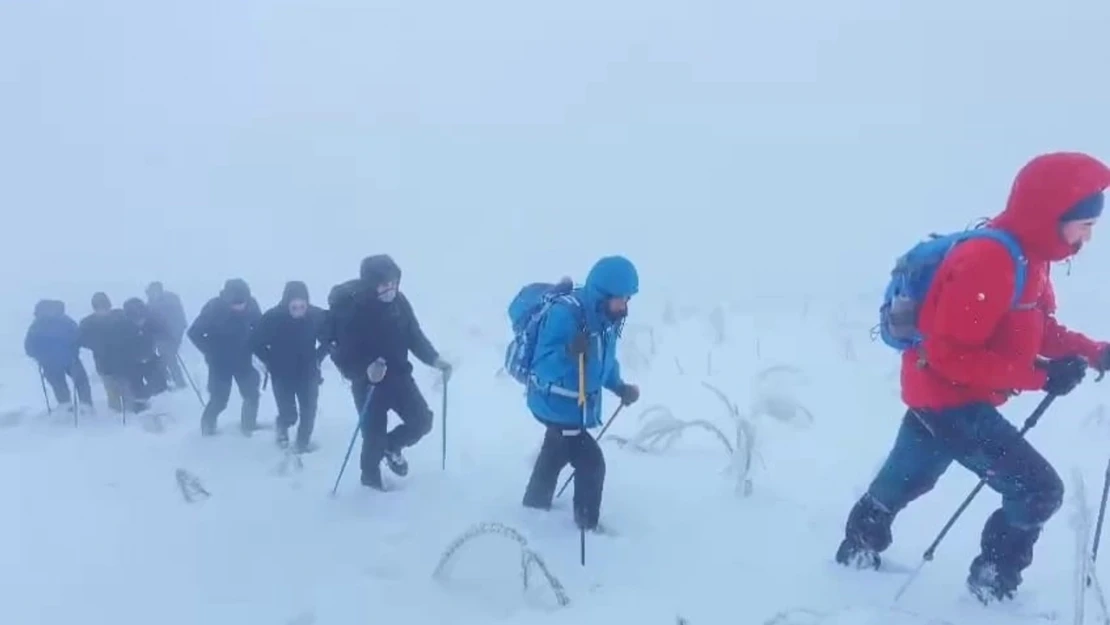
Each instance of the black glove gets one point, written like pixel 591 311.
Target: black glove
pixel 578 344
pixel 1064 374
pixel 1103 363
pixel 629 393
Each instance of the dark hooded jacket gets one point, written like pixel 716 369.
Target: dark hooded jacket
pixel 977 347
pixel 222 333
pixel 146 331
pixel 361 328
pixel 53 339
pixel 103 333
pixel 166 307
pixel 288 345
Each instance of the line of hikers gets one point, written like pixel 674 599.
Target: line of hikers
pixel 972 313
pixel 135 349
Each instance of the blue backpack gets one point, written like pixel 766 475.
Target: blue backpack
pixel 526 312
pixel 913 274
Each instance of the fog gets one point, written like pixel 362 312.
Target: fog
pixel 730 148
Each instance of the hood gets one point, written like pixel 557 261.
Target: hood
pixel 294 289
pixel 154 290
pixel 236 291
pixel 49 308
pixel 612 276
pixel 378 269
pixel 1044 190
pixel 135 309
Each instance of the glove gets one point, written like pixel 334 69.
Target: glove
pixel 1103 363
pixel 629 393
pixel 444 367
pixel 578 344
pixel 376 371
pixel 1063 374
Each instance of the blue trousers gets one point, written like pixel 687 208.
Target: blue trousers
pixel 978 437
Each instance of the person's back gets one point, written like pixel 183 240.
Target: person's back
pixel 53 339
pixel 167 308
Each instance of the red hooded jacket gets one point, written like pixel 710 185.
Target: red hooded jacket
pixel 977 348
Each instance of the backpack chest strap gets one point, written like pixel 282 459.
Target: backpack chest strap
pixel 553 389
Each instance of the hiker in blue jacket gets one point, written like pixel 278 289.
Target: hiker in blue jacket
pixel 588 330
pixel 53 340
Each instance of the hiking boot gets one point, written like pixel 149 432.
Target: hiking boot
pixel 372 480
pixel 856 556
pixel 207 428
pixel 304 447
pixel 536 505
pixel 866 535
pixel 988 583
pixel 396 462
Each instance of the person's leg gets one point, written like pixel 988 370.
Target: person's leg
pixel 554 455
pixel 308 395
pixel 248 381
pixel 373 421
pixel 1031 492
pixel 912 468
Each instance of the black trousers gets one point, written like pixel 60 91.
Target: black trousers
pixel 296 400
pixel 580 450
pixel 402 396
pixel 56 378
pixel 220 377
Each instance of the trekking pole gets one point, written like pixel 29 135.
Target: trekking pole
pixel 582 407
pixel 376 373
pixel 1101 518
pixel 1038 412
pixel 599 435
pixel 45 396
pixel 76 401
pixel 443 409
pixel 189 378
pixel 354 436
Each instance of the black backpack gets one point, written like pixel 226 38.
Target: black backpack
pixel 340 329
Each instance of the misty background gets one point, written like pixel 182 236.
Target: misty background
pixel 732 149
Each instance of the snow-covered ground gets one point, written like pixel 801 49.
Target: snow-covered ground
pixel 96 529
pixel 773 157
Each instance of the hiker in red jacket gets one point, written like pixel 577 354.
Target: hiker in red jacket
pixel 978 349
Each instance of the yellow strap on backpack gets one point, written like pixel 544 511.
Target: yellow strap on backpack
pixel 581 379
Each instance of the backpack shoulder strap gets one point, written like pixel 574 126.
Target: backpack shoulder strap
pixel 1014 248
pixel 571 300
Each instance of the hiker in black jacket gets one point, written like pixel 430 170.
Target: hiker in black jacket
pixel 145 334
pixel 100 333
pixel 370 319
pixel 285 340
pixel 221 332
pixel 165 306
pixel 123 352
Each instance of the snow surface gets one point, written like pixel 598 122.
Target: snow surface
pixel 96 530
pixel 767 159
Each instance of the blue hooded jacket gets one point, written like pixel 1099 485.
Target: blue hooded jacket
pixel 553 395
pixel 53 338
